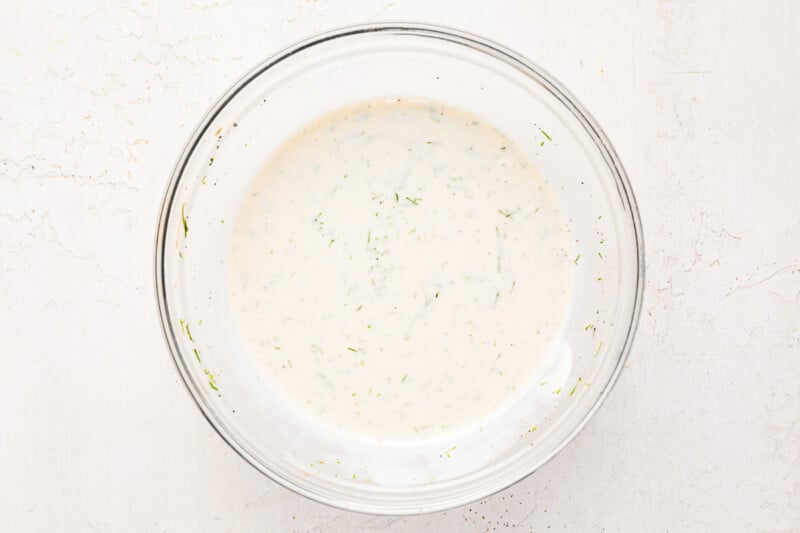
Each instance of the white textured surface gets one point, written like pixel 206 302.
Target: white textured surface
pixel 702 432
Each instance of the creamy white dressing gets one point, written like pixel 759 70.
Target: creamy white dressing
pixel 400 270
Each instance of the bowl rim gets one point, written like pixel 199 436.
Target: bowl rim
pixel 426 30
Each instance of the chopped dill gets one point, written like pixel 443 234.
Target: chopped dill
pixel 576 259
pixel 599 346
pixel 352 349
pixel 506 214
pixel 404 378
pixel 183 219
pixel 545 134
pixel 414 200
pixel 196 354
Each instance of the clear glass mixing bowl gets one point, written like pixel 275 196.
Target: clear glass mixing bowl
pixel 193 244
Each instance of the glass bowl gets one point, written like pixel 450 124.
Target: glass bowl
pixel 192 269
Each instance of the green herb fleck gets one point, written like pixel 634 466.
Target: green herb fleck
pixel 414 200
pixel 506 214
pixel 599 255
pixel 396 197
pixel 354 476
pixel 354 394
pixel 211 161
pixel 447 452
pixel 331 243
pixel 503 148
pixel 576 259
pixel 196 354
pixel 180 254
pixel 359 308
pixel 545 134
pixel 189 332
pixel 369 237
pixel 404 378
pixel 436 295
pixel 541 143
pixel 213 386
pixel 600 279
pixel 183 219
pixel 575 387
pixel 599 346
pixel 277 347
pixel 203 181
pixel 532 429
pixel 345 176
pixel 428 142
pixel 352 349
pixel 557 391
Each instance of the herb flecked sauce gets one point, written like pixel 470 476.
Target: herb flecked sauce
pixel 400 270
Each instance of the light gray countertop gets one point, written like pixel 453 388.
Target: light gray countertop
pixel 702 432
